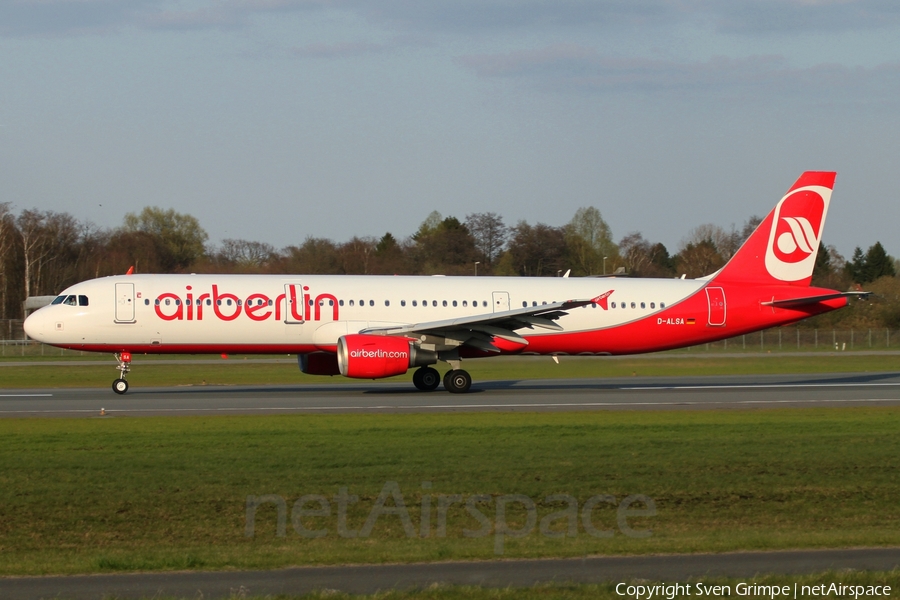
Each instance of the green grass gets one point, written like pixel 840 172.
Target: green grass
pixel 119 494
pixel 236 371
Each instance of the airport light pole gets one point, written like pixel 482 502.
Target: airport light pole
pixel 477 262
pixel 604 265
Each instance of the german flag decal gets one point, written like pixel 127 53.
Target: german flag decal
pixel 690 321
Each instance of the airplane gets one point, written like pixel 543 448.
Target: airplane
pixel 373 327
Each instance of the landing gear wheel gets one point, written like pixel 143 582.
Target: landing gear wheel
pixel 120 386
pixel 426 379
pixel 457 381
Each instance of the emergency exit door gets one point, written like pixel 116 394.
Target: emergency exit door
pixel 716 298
pixel 124 303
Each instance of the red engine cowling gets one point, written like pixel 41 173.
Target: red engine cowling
pixel 319 363
pixel 375 356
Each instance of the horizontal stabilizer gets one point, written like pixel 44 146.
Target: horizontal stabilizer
pixel 793 302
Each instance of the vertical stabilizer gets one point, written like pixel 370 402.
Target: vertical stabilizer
pixel 783 248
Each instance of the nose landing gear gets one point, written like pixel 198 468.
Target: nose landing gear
pixel 120 386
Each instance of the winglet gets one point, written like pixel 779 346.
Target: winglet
pixel 130 270
pixel 602 300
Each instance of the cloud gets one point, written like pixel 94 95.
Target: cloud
pixel 572 68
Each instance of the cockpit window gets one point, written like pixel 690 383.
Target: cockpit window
pixel 58 300
pixel 82 300
pixel 70 301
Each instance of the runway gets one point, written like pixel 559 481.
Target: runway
pixel 369 579
pixel 636 393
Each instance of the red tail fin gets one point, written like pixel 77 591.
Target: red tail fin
pixel 783 248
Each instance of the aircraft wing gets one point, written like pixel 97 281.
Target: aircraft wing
pixel 479 331
pixel 792 302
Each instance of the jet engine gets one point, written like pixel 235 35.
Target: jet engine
pixel 364 356
pixel 318 363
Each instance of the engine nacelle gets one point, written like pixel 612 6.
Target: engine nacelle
pixel 319 363
pixel 364 356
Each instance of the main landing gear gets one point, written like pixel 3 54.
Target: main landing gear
pixel 120 386
pixel 456 381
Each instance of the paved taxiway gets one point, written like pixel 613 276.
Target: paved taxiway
pixel 658 393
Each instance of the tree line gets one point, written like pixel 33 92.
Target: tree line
pixel 42 252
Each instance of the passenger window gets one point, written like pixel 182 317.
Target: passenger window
pixel 613 304
pixel 371 303
pixel 351 303
pixel 146 301
pixel 454 303
pixel 168 302
pixel 403 303
pixel 643 305
pixel 415 303
pixel 444 303
pixel 484 303
pixel 632 305
pixel 387 302
pixel 340 302
pixel 156 302
pixel 524 303
pixel 362 302
pixel 653 305
pixel 434 302
pixel 465 303
pixel 662 304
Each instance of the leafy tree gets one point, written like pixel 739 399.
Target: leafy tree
pixel 180 236
pixel 875 263
pixel 534 251
pixel 589 240
pixel 878 263
pixel 444 246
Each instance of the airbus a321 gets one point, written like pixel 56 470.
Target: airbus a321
pixel 371 327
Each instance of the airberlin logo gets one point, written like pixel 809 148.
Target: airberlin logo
pixel 794 237
pixel 293 305
pixel 378 353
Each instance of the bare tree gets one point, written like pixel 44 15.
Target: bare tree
pixel 246 254
pixel 7 231
pixel 490 235
pixel 36 247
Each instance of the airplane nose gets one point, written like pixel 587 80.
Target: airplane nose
pixel 36 326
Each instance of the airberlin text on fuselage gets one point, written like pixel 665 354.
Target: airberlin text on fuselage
pixel 228 307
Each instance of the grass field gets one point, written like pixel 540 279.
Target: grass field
pixel 113 494
pixel 149 372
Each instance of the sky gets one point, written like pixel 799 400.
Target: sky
pixel 274 120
